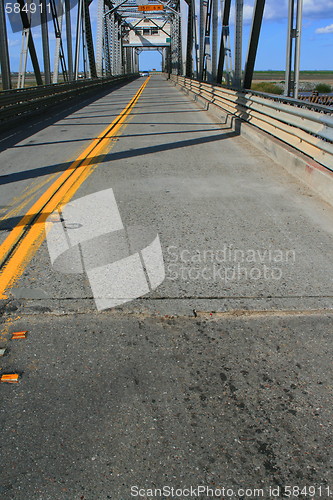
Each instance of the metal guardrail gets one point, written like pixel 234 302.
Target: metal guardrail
pixel 294 122
pixel 15 104
pixel 310 105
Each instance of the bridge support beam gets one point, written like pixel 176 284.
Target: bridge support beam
pixel 59 56
pixel 207 57
pixel 190 38
pixel 176 46
pixel 31 46
pixel 23 58
pixel 100 38
pixel 45 42
pixel 253 44
pixel 78 38
pixel 293 47
pixel 215 20
pixel 4 54
pixel 224 37
pixel 107 45
pixel 238 44
pixel 89 41
pixel 69 40
pixel 119 49
pixel 202 22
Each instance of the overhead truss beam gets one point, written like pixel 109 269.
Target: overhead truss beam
pixel 206 46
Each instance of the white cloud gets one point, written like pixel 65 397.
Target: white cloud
pixel 312 9
pixel 272 10
pixel 13 43
pixel 318 8
pixel 326 29
pixel 248 12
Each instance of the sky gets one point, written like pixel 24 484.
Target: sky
pixel 316 47
pixel 317 34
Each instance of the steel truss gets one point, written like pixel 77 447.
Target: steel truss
pixel 206 48
pixel 293 47
pixel 176 46
pixel 76 53
pixel 215 64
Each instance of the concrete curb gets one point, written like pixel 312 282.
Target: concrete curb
pixel 310 172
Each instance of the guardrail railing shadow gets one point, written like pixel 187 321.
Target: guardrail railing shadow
pixel 304 126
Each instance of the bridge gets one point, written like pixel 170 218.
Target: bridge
pixel 165 261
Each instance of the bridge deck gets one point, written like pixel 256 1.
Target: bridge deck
pixel 235 388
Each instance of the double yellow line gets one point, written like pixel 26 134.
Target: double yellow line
pixel 25 239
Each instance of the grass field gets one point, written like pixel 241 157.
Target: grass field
pixel 259 76
pixel 30 80
pixel 308 76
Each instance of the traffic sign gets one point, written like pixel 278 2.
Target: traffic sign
pixel 144 8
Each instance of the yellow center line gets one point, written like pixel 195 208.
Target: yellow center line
pixel 24 239
pixel 26 198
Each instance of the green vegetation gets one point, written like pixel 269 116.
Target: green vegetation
pixel 323 88
pixel 304 75
pixel 269 87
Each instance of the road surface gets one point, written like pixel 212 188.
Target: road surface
pixel 220 374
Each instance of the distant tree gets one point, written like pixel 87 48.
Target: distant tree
pixel 323 88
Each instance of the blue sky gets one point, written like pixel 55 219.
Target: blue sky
pixel 317 37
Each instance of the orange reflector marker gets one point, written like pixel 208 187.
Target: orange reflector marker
pixel 11 378
pixel 19 335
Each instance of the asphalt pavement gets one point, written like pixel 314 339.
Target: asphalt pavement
pixel 214 369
